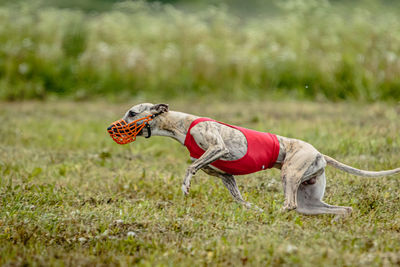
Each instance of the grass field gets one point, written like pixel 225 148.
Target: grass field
pixel 70 196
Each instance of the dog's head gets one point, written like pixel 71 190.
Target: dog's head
pixel 137 121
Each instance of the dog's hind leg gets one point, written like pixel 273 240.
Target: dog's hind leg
pixel 301 162
pixel 230 183
pixel 309 198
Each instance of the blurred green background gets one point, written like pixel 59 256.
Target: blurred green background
pixel 302 49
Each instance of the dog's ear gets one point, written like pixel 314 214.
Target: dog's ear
pixel 159 108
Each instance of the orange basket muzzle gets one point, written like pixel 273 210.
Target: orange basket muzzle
pixel 124 133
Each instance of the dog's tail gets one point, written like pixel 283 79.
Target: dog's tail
pixel 338 165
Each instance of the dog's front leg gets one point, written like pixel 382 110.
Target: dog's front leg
pixel 230 183
pixel 212 154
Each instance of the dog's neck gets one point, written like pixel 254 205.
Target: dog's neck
pixel 172 124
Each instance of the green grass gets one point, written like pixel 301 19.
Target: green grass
pixel 69 195
pixel 309 49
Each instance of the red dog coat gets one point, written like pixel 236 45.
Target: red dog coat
pixel 262 151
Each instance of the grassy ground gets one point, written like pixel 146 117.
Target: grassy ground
pixel 70 195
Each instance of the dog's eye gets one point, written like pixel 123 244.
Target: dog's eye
pixel 132 114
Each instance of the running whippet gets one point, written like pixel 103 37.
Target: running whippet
pixel 224 150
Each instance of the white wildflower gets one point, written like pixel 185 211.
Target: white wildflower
pixel 104 49
pixel 23 68
pixel 131 234
pixel 391 57
pixel 170 52
pixel 133 57
pixel 291 248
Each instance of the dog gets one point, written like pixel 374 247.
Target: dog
pixel 223 150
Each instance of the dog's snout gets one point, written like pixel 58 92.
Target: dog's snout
pixel 112 128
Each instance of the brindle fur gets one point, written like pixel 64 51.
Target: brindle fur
pixel 302 166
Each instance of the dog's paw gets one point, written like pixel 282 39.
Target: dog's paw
pixel 252 206
pixel 349 210
pixel 185 189
pixel 340 217
pixel 289 207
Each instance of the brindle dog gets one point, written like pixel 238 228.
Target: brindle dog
pixel 302 166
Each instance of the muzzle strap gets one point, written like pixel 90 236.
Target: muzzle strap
pixel 148 130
